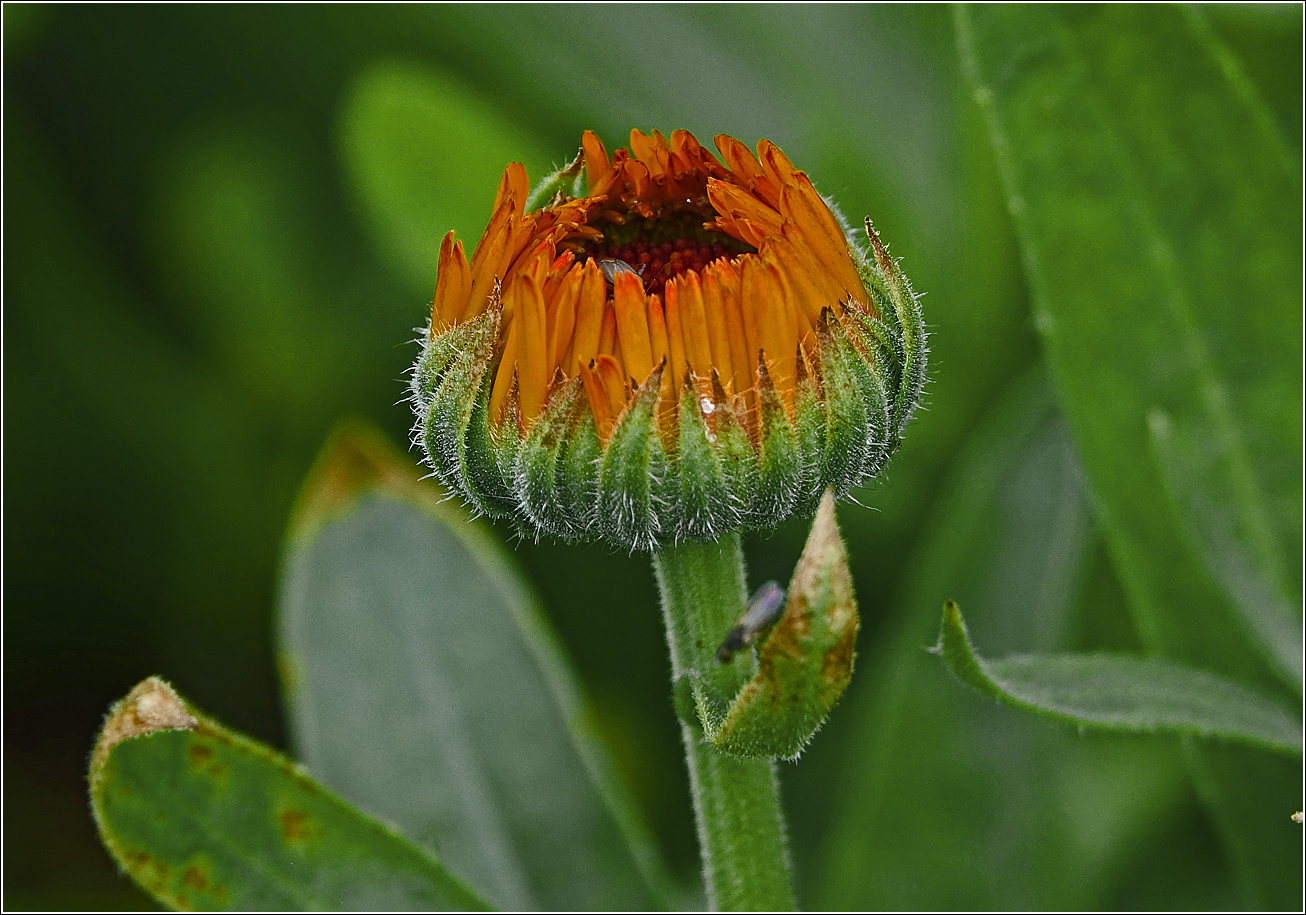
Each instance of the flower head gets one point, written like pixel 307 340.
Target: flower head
pixel 661 345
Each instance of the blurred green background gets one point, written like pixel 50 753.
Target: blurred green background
pixel 221 229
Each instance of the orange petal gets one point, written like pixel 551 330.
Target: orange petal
pixel 823 235
pixel 631 306
pixel 607 392
pixel 644 148
pixel 813 287
pixel 641 187
pixel 453 281
pixel 691 158
pixel 562 317
pixel 524 236
pixel 714 309
pixel 747 172
pixel 614 383
pixel 507 369
pixel 514 186
pixel 534 267
pixel 590 305
pixel 741 360
pixel 559 270
pixel 746 310
pixel 597 164
pixel 779 170
pixel 675 331
pixel 533 372
pixel 657 329
pixel 598 398
pixel 490 260
pixel 608 333
pixel 693 324
pixel 776 327
pixel 752 305
pixel 739 205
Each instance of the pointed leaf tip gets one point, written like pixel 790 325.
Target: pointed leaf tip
pixel 807 661
pixel 1121 693
pixel 151 706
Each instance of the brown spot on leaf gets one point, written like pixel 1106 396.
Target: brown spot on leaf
pixel 294 825
pixel 148 871
pixel 199 754
pixel 194 879
pixel 837 665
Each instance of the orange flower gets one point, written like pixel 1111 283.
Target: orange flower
pixel 727 284
pixel 752 257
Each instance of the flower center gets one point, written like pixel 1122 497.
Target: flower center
pixel 659 250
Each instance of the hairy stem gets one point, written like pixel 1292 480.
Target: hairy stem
pixel 741 829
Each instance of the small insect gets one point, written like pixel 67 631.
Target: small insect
pixel 611 267
pixel 764 608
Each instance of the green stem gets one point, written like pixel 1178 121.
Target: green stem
pixel 741 829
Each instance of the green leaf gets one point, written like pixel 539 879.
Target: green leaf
pixel 806 661
pixel 425 153
pixel 1159 218
pixel 204 818
pixel 1232 544
pixel 1120 693
pixel 1004 811
pixel 423 682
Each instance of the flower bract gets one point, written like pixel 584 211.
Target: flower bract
pixel 662 344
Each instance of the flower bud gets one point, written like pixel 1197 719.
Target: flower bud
pixel 696 345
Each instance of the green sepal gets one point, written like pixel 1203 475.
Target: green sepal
pixel 846 417
pixel 578 479
pixel 438 354
pixel 633 472
pixel 540 462
pixel 874 339
pixel 811 432
pixel 906 327
pixel 705 506
pixel 498 476
pixel 484 461
pixel 781 467
pixel 806 661
pixel 454 416
pixel 864 364
pixel 568 181
pixel 882 350
pixel 737 456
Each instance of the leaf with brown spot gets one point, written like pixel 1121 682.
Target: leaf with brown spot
pixel 203 818
pixel 805 664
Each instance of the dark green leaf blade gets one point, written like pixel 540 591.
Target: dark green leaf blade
pixel 423 682
pixel 1121 693
pixel 204 818
pixel 1160 225
pixel 996 800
